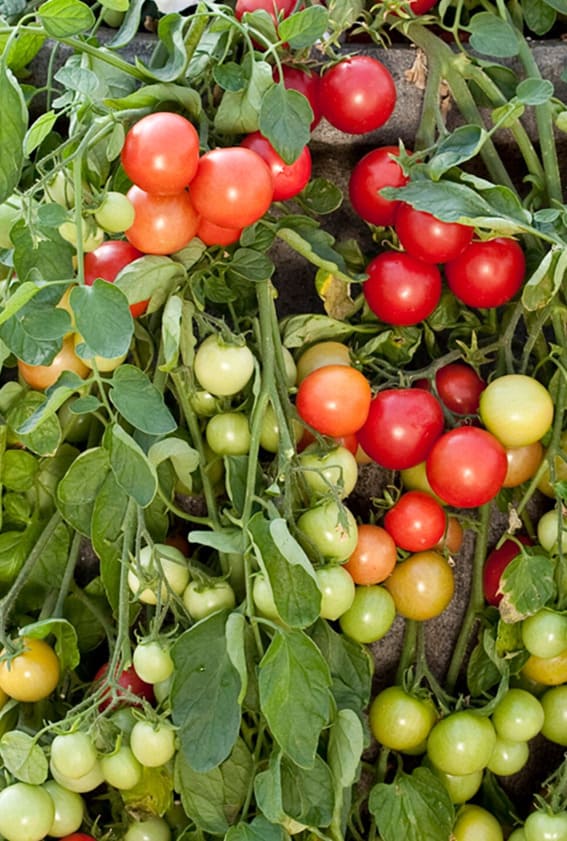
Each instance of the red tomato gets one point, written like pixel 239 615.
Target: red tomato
pixel 373 172
pixel 233 187
pixel 78 836
pixel 128 680
pixel 163 224
pixel 289 179
pixel 428 238
pixel 401 289
pixel 419 7
pixel 107 260
pixel 212 234
pixel 402 426
pixel 459 387
pixel 487 274
pixel 416 521
pixel 334 400
pixel 358 94
pixel 495 564
pixel 161 153
pixel 466 466
pixel 305 82
pixel 275 8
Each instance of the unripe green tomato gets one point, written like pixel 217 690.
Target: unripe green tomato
pixel 550 528
pixel 401 721
pixel 320 354
pixel 270 431
pixel 331 529
pixel 337 591
pixel 203 600
pixel 518 835
pixel 165 567
pixel 370 616
pixel 88 782
pixel 228 434
pixel 26 812
pixel 518 716
pixel 153 744
pixel 121 769
pixel 546 826
pixel 263 598
pixel 151 829
pixel 221 368
pixel 59 189
pixel 559 467
pixel 93 236
pixel 204 403
pixel 554 703
pixel 508 757
pixel 460 787
pixel 336 470
pixel 461 743
pixel 73 754
pixel 116 213
pixel 476 824
pixel 69 809
pixel 152 661
pixel 162 689
pixel 545 633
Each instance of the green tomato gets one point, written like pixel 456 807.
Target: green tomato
pixel 370 616
pixel 203 600
pixel 545 633
pixel 552 527
pixel 81 785
pixel 331 529
pixel 263 598
pixel 26 812
pixel 461 743
pixel 336 470
pixel 223 369
pixel 554 703
pixel 121 769
pixel 337 591
pixel 401 721
pixel 160 569
pixel 152 661
pixel 508 757
pixel 546 826
pixel 518 716
pixel 270 431
pixel 228 434
pixel 152 829
pixel 10 212
pixel 69 809
pixel 460 787
pixel 153 744
pixel 92 235
pixel 517 409
pixel 116 213
pixel 73 754
pixel 476 824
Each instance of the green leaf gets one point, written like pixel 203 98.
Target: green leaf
pixel 41 260
pixel 285 119
pixel 19 298
pixel 239 111
pixel 249 266
pixel 490 35
pixel 534 91
pixel 539 16
pixel 213 799
pixel 18 470
pixel 103 318
pixel 140 402
pixel 350 664
pixel 485 667
pixel 316 245
pixel 183 457
pixel 153 794
pixel 415 807
pixel 294 685
pixel 558 5
pixel 57 395
pixel 230 76
pixel 130 466
pixel 24 48
pixel 37 132
pixel 344 13
pixel 171 332
pixel 287 790
pixel 291 574
pixel 171 34
pixel 45 439
pixel 461 145
pixel 13 126
pixel 346 743
pixel 78 489
pixel 152 278
pixel 148 96
pixel 205 693
pixel 223 540
pixel 300 330
pixel 304 28
pixel 85 616
pixel 109 514
pixel 527 584
pixel 23 757
pixel 320 196
pixel 65 639
pixel 62 18
pixel 546 280
pixel 47 575
pixel 259 829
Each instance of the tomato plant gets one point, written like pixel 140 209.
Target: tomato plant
pixel 428 238
pixel 32 673
pixel 416 521
pixel 422 586
pixel 358 94
pixel 374 171
pixel 487 273
pixel 334 399
pixel 401 289
pixel 289 179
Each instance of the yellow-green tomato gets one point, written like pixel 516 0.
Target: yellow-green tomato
pixel 517 409
pixel 263 598
pixel 320 354
pixel 460 787
pixel 370 616
pixel 203 600
pixel 81 785
pixel 331 529
pixel 461 743
pixel 152 661
pixel 228 434
pixel 159 569
pixel 270 431
pixel 337 591
pixel 401 721
pixel 221 368
pixel 69 809
pixel 153 744
pixel 545 633
pixel 150 829
pixel 551 528
pixel 73 754
pixel 116 213
pixel 554 703
pixel 508 757
pixel 335 471
pixel 26 812
pixel 92 235
pixel 476 824
pixel 121 769
pixel 103 364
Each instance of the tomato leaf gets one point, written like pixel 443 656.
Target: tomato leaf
pixel 285 790
pixel 213 799
pixel 527 584
pixel 130 466
pixel 62 18
pixel 414 806
pixel 285 119
pixel 48 573
pixel 140 402
pixel 259 829
pixel 299 330
pixel 533 91
pixel 107 534
pixel 13 128
pixel 290 572
pixel 490 35
pixel 78 489
pixel 23 757
pixel 103 318
pixel 546 280
pixel 18 470
pixel 461 145
pixel 248 265
pixel 304 28
pixel 44 439
pixel 295 685
pixel 153 794
pixel 350 664
pixel 316 245
pixel 346 743
pixel 239 111
pixel 539 16
pixel 171 34
pixel 205 693
pixel 65 635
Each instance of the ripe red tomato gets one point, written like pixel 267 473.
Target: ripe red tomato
pixel 495 564
pixel 466 466
pixel 107 260
pixel 128 680
pixel 401 289
pixel 233 187
pixel 78 836
pixel 402 426
pixel 487 274
pixel 334 399
pixel 358 94
pixel 163 224
pixel 289 179
pixel 212 234
pixel 459 387
pixel 416 521
pixel 161 153
pixel 371 174
pixel 275 8
pixel 419 7
pixel 305 82
pixel 428 238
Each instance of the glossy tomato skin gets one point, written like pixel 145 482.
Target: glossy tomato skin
pixel 517 409
pixel 487 274
pixel 289 179
pixel 459 387
pixel 399 720
pixel 127 680
pixel 375 555
pixel 370 616
pixel 416 521
pixel 402 426
pixel 32 674
pixel 495 564
pixel 304 82
pixel 357 95
pixel 40 377
pixel 163 224
pixel 466 467
pixel 461 743
pixel 372 173
pixel 161 153
pixel 422 586
pixel 107 261
pixel 401 289
pixel 212 234
pixel 233 187
pixel 428 238
pixel 334 399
